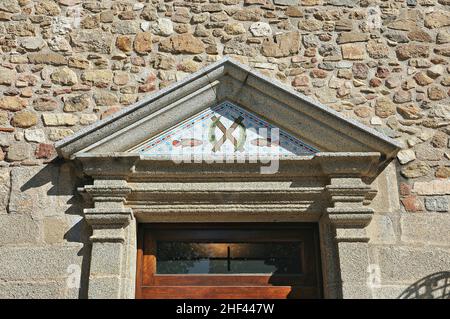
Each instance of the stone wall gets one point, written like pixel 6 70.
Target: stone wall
pixel 65 64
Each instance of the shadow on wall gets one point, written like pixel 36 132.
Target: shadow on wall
pixel 53 189
pixel 435 286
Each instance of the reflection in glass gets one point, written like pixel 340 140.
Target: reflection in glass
pixel 228 258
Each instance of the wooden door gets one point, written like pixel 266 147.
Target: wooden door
pixel 245 261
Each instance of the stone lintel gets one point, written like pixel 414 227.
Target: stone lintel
pixel 128 166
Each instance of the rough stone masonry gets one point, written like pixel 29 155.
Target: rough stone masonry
pixel 65 64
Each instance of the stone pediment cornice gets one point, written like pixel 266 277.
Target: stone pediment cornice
pixel 227 80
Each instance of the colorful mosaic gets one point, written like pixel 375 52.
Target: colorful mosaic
pixel 223 130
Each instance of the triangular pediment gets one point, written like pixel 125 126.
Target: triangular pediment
pixel 221 131
pixel 222 90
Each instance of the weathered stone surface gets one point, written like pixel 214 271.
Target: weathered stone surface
pixel 125 27
pixel 59 44
pixel 182 43
pixel 35 135
pixel 286 2
pixel 21 29
pixel 360 70
pixel 282 45
pixel 77 103
pixel 45 104
pixel 7 76
pixel 294 12
pixel 442 172
pixel 98 77
pixel 19 151
pixel 239 48
pixel 428 153
pixel 412 203
pixel 443 37
pixel 260 29
pixel 10 6
pixel 424 228
pixel 124 43
pixel 377 50
pixel 408 51
pixel 234 28
pixel 419 36
pixel 437 204
pixel 47 7
pixel 445 51
pixel 34 289
pixel 249 14
pixel 32 44
pixel 143 42
pixel 12 103
pixel 5 185
pixel 437 19
pixel 46 151
pixel 406 156
pixel 59 119
pixel 350 37
pixel 54 230
pixel 441 111
pixel 3 117
pixel 352 51
pixel 435 187
pixel 402 96
pixel 87 119
pixel 19 229
pixel 410 263
pixel 93 41
pixel 402 24
pixel 105 98
pixel 64 76
pixel 47 58
pixel 163 27
pixel 56 134
pixel 416 169
pixel 78 63
pixel 38 262
pixel 423 79
pixel 24 119
pixel 436 93
pixel 410 111
pixel 384 107
pixel 439 140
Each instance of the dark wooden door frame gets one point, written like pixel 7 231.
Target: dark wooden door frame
pixel 309 285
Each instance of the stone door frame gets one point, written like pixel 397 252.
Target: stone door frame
pixel 330 188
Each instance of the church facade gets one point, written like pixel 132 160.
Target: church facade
pixel 152 150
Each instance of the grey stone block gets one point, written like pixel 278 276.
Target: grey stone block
pixel 106 258
pixel 104 288
pixel 5 184
pixel 381 230
pixel 32 290
pixel 405 265
pixel 431 229
pixel 436 204
pixel 37 262
pixel 19 229
pixel 354 260
pixel 41 191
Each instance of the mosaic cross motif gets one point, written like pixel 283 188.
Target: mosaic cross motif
pixel 223 130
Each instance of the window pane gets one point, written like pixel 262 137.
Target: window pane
pixel 228 258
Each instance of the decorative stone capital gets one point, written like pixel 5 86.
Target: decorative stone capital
pixel 349 213
pixel 109 216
